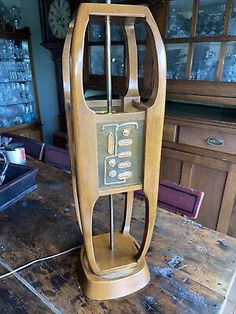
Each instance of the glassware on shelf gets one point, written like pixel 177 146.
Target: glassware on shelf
pixel 179 18
pixel 11 115
pixel 16 86
pixel 229 69
pixel 15 17
pixel 3 15
pixel 176 61
pixel 205 61
pixel 210 19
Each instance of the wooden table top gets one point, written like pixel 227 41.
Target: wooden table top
pixel 44 223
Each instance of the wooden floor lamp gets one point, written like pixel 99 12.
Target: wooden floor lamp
pixel 114 152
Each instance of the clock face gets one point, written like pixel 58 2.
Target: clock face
pixel 59 17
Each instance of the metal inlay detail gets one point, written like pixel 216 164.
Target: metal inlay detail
pixel 110 144
pixel 112 162
pixel 112 173
pixel 126 132
pixel 125 175
pixel 125 142
pixel 125 164
pixel 117 126
pixel 118 145
pixel 125 154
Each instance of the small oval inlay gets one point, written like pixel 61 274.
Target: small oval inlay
pixel 125 175
pixel 125 154
pixel 125 142
pixel 125 164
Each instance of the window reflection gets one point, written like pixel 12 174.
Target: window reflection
pixel 229 69
pixel 210 20
pixel 179 19
pixel 205 60
pixel 176 60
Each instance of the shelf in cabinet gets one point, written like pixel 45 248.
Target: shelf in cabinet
pixel 32 125
pixel 18 103
pixel 14 59
pixel 16 81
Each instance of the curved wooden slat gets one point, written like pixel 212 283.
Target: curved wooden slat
pixel 154 128
pixel 67 96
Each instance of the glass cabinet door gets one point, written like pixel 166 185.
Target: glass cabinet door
pixel 229 68
pixel 176 61
pixel 201 40
pixel 179 18
pixel 17 99
pixel 210 19
pixel 205 60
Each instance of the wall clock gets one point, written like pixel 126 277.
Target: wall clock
pixel 55 16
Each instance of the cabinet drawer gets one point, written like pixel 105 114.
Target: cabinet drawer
pixel 169 132
pixel 209 139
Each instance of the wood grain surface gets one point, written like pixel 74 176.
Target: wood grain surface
pixel 45 223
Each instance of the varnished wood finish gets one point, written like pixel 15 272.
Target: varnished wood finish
pixel 169 132
pixel 83 139
pixel 45 223
pixel 231 228
pixel 228 201
pixel 67 96
pixel 132 59
pixel 203 88
pixel 129 199
pixel 204 174
pixel 198 137
pixel 192 162
pixel 200 99
pixel 31 130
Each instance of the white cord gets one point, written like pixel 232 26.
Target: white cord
pixel 39 260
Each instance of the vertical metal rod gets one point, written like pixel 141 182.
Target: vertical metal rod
pixel 108 63
pixel 111 222
pixel 109 110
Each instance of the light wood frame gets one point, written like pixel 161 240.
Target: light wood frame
pixel 82 128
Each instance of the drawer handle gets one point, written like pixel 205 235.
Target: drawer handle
pixel 215 141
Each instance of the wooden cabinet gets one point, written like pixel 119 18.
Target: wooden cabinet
pixel 19 110
pixel 199 143
pixel 189 160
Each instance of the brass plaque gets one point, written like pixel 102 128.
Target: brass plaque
pixel 120 153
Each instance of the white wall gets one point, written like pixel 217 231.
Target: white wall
pixel 44 67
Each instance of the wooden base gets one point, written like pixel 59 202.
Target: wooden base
pixel 120 280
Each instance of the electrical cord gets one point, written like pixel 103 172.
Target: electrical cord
pixel 37 261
